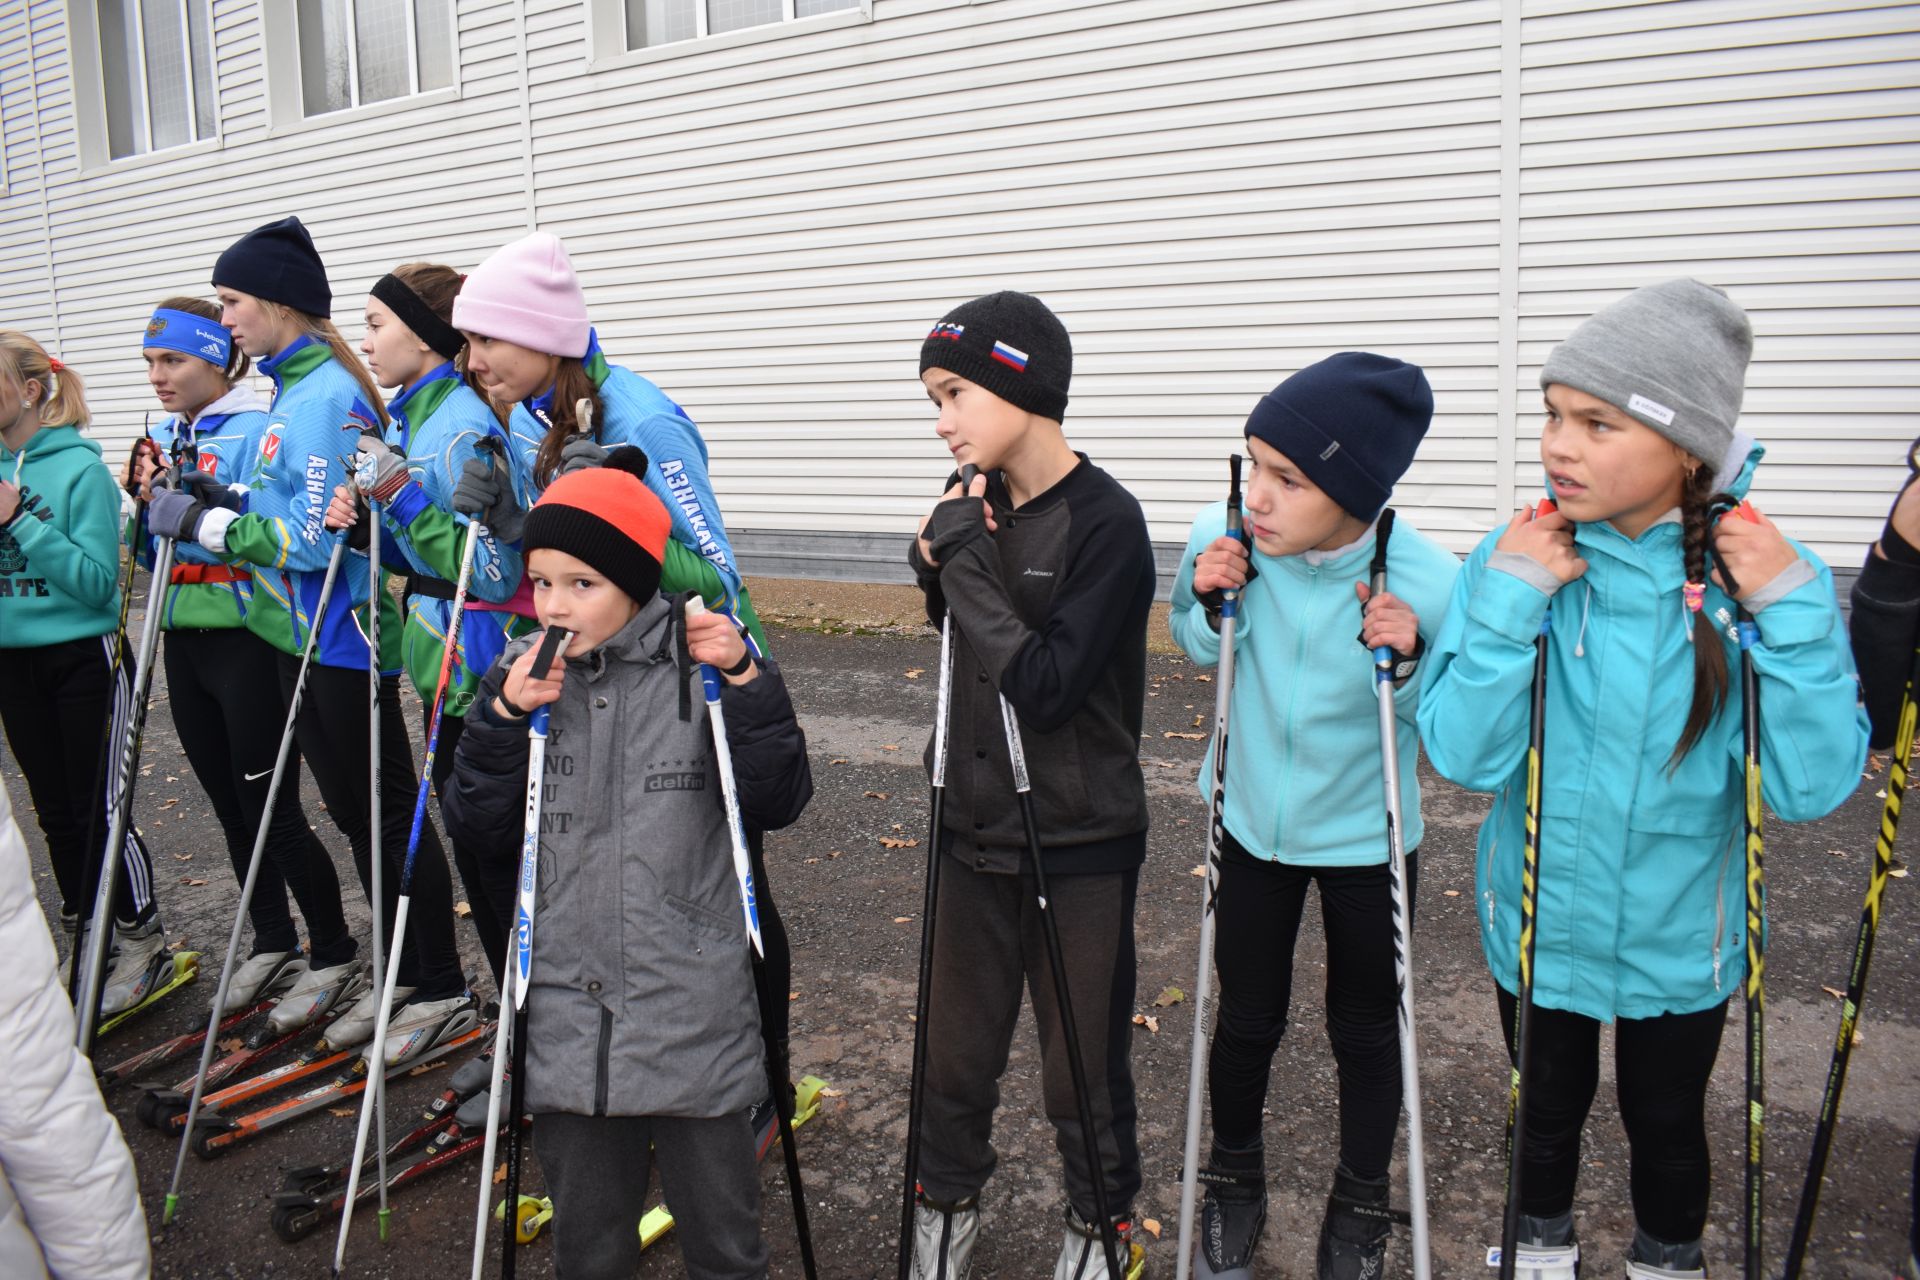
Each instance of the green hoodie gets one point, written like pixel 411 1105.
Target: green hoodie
pixel 60 554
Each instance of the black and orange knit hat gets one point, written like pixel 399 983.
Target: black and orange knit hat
pixel 607 518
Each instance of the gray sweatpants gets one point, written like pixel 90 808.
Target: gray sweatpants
pixel 596 1171
pixel 987 944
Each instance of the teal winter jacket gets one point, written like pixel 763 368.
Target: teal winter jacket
pixel 1304 777
pixel 1641 883
pixel 60 555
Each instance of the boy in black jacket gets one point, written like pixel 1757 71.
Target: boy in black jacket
pixel 1046 568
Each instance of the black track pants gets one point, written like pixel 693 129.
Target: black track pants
pixel 332 732
pixel 220 686
pixel 56 702
pixel 490 896
pixel 1661 1067
pixel 1256 925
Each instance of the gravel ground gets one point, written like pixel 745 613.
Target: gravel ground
pixel 852 906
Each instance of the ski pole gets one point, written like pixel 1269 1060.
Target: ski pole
pixel 1529 903
pixel 743 871
pixel 474 533
pixel 1899 760
pixel 1216 835
pixel 513 982
pixel 384 963
pixel 83 930
pixel 1383 665
pixel 253 875
pixel 1023 788
pixel 1756 987
pixel 916 1078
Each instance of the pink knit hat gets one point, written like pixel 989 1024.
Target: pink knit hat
pixel 526 293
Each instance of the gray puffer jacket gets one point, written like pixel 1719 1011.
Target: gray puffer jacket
pixel 641 999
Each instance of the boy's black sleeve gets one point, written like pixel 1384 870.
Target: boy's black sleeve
pixel 483 805
pixel 769 751
pixel 1108 579
pixel 1885 627
pixel 927 578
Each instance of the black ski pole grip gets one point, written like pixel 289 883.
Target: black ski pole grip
pixel 1234 529
pixel 550 646
pixel 1377 574
pixel 967 472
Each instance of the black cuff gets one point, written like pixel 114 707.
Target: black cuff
pixel 739 668
pixel 514 710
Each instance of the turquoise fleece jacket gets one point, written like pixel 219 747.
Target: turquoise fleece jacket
pixel 1304 778
pixel 1641 884
pixel 60 555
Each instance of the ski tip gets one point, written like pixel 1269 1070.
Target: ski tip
pixel 173 1203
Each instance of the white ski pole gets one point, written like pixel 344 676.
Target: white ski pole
pixel 1216 833
pixel 513 993
pixel 736 830
pixel 474 533
pixel 253 874
pixel 125 763
pixel 1383 672
pixel 384 966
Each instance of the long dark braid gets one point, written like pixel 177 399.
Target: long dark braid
pixel 1709 654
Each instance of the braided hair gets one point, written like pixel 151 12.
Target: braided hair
pixel 1709 654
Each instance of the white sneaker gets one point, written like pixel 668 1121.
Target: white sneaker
pixel 315 992
pixel 141 966
pixel 263 975
pixel 943 1237
pixel 355 1026
pixel 425 1025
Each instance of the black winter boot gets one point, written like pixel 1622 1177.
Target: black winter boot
pixel 1353 1236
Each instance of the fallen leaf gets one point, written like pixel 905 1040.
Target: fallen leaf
pixel 1836 853
pixel 183 857
pixel 1198 721
pixel 809 861
pixel 891 842
pixel 342 1111
pixel 1168 997
pixel 1150 1023
pixel 903 919
pixel 171 778
pixel 1200 870
pixel 889 746
pixel 836 762
pixel 195 883
pixel 1152 1225
pixel 828 1091
pixel 793 995
pixel 1898 873
pixel 876 795
pixel 914 673
pixel 1449 893
pixel 231 1046
pixel 425 1067
pixel 898 827
pixel 1204 679
pixel 1176 676
pixel 1858 1039
pixel 500 1174
pixel 169 802
pixel 463 909
pixel 833 853
pixel 1835 992
pixel 1190 737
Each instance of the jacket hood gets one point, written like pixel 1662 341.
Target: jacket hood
pixel 241 398
pixel 48 441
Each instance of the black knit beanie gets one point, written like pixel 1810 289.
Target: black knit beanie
pixel 1010 344
pixel 1351 423
pixel 279 263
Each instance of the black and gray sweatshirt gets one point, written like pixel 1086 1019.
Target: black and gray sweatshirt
pixel 1051 611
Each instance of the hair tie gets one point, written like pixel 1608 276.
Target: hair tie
pixel 1695 594
pixel 53 363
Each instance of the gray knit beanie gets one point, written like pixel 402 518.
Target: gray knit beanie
pixel 1673 355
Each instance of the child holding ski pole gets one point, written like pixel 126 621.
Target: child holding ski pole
pixel 1045 566
pixel 642 1038
pixel 217 668
pixel 1641 917
pixel 275 300
pixel 68 676
pixel 1886 633
pixel 1304 773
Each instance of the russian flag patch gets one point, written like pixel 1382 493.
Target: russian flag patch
pixel 951 332
pixel 1010 356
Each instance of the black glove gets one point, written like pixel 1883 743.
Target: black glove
pixel 581 451
pixel 485 493
pixel 210 491
pixel 173 514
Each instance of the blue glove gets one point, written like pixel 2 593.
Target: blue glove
pixel 173 514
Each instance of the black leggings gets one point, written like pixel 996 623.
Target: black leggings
pixel 332 732
pixel 1256 923
pixel 231 733
pixel 490 896
pixel 1661 1066
pixel 57 702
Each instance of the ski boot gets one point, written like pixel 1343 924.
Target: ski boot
pixel 1547 1249
pixel 1232 1217
pixel 1084 1257
pixel 141 967
pixel 314 993
pixel 1651 1259
pixel 425 1025
pixel 944 1234
pixel 355 1026
pixel 261 976
pixel 1353 1236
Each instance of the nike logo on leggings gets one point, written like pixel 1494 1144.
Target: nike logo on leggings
pixel 255 777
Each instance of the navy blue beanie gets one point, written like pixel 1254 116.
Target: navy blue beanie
pixel 1351 423
pixel 279 263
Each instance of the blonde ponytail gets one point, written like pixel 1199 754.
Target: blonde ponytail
pixel 63 393
pixel 321 330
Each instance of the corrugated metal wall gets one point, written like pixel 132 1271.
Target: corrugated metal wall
pixel 1211 194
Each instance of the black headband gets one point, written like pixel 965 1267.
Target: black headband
pixel 418 316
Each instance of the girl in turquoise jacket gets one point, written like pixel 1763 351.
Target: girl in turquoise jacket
pixel 68 669
pixel 216 667
pixel 275 299
pixel 1641 875
pixel 1327 446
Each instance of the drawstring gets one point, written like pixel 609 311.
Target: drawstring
pixel 1586 608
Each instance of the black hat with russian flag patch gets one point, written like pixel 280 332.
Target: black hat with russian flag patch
pixel 1009 343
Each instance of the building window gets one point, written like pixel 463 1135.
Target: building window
pixel 353 52
pixel 657 22
pixel 156 70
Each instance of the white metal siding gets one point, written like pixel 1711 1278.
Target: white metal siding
pixel 1210 193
